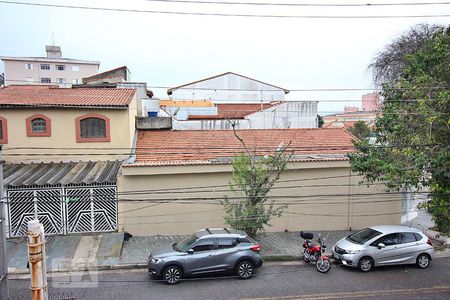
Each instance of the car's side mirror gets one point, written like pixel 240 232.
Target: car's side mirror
pixel 381 246
pixel 190 251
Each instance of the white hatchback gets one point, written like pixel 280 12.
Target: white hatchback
pixel 384 245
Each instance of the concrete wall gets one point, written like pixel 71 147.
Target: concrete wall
pixel 241 90
pixel 63 135
pixel 16 72
pixel 153 123
pixel 309 207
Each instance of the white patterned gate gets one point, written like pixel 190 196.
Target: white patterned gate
pixel 63 210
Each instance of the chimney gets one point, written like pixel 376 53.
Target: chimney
pixel 53 51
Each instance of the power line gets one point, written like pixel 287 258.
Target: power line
pixel 224 14
pixel 199 148
pixel 302 4
pixel 233 89
pixel 197 200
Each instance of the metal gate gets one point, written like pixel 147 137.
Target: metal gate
pixel 63 210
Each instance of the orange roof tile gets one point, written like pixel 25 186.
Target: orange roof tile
pixel 168 147
pixel 49 96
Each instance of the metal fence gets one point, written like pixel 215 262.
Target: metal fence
pixel 62 209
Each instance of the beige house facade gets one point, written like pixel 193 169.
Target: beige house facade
pixel 178 191
pixel 62 111
pixel 64 148
pixel 52 69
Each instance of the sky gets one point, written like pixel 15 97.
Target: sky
pixel 168 50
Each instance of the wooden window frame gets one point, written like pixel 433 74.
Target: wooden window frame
pixel 4 140
pixel 80 139
pixel 48 125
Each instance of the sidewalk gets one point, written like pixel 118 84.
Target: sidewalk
pixel 109 251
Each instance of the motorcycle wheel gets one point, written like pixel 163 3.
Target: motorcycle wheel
pixel 323 265
pixel 304 256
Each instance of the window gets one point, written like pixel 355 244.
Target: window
pixel 45 80
pixel 227 243
pixel 29 79
pixel 407 237
pixel 38 125
pixel 418 236
pixel 29 66
pixel 75 81
pixel 204 245
pixel 185 244
pixel 92 128
pixel 363 236
pixel 61 80
pixel 60 67
pixel 45 66
pixel 75 68
pixel 3 131
pixel 387 240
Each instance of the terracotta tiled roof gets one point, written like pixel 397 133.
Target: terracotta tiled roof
pixel 46 96
pixel 231 111
pixel 168 147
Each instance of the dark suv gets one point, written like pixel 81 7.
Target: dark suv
pixel 207 251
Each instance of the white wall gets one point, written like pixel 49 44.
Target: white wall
pixel 229 81
pixel 298 114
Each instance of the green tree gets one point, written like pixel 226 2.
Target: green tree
pixel 320 121
pixel 252 179
pixel 2 79
pixel 360 130
pixel 413 133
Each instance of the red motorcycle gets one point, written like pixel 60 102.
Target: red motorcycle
pixel 313 252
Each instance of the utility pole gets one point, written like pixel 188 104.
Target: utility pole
pixel 3 260
pixel 36 257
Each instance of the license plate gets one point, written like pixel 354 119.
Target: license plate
pixel 336 256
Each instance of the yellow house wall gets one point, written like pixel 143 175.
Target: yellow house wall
pixel 63 135
pixel 314 210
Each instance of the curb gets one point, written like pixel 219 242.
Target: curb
pixel 267 258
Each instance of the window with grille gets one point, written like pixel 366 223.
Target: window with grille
pixel 38 125
pixel 45 66
pixel 45 80
pixel 60 67
pixel 93 128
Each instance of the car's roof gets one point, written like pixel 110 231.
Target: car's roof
pixel 220 232
pixel 394 228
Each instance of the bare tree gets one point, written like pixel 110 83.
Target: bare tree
pixel 389 63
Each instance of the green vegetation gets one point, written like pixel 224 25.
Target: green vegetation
pixel 413 133
pixel 360 130
pixel 252 179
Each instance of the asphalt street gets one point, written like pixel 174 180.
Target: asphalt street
pixel 273 281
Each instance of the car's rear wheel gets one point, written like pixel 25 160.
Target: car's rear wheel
pixel 423 261
pixel 365 264
pixel 172 275
pixel 245 269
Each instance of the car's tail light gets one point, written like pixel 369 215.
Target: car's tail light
pixel 256 247
pixel 429 242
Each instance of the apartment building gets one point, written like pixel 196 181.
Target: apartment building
pixel 52 69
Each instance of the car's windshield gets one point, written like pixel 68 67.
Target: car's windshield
pixel 363 236
pixel 185 244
